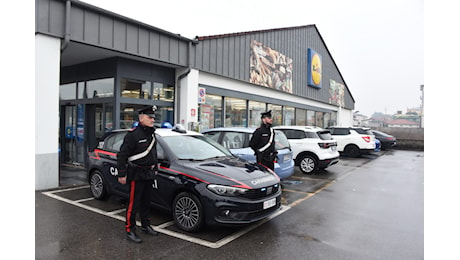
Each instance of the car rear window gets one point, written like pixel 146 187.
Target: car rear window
pixel 195 147
pixel 312 135
pixel 325 135
pixel 281 142
pixel 214 135
pixel 340 131
pixel 294 134
pixel 363 131
pixel 233 140
pixel 114 142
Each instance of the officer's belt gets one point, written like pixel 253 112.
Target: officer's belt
pixel 145 167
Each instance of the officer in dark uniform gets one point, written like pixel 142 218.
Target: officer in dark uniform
pixel 137 166
pixel 263 141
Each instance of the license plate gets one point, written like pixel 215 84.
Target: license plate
pixel 269 203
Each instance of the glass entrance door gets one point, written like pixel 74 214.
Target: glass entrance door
pixel 72 141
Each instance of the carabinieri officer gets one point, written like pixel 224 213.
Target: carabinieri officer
pixel 263 141
pixel 137 166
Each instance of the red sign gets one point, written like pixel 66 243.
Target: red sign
pixel 193 112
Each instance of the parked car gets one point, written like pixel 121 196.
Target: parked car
pixel 387 141
pixel 236 139
pixel 313 147
pixel 353 141
pixel 199 181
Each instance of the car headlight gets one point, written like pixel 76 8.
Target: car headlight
pixel 226 190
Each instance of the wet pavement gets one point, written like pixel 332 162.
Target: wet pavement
pixel 360 208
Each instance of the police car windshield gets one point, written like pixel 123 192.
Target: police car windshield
pixel 189 147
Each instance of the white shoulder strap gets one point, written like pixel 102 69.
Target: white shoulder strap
pixel 144 153
pixel 272 134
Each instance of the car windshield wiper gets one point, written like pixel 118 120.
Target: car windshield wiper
pixel 191 159
pixel 217 157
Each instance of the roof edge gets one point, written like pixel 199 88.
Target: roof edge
pixel 201 38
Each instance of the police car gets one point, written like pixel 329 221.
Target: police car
pixel 199 181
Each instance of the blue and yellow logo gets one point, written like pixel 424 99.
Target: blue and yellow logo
pixel 314 69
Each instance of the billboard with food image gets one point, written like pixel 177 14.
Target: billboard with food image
pixel 270 68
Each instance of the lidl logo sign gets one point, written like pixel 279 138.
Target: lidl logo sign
pixel 314 69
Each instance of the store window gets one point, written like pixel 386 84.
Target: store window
pixel 255 109
pixel 276 114
pixel 108 110
pixel 163 92
pixel 100 88
pixel 132 88
pixel 327 119
pixel 319 119
pixel 129 114
pixel 311 118
pixel 67 91
pixel 235 112
pixel 288 116
pixel 81 90
pixel 333 120
pixel 163 115
pixel 300 116
pixel 210 113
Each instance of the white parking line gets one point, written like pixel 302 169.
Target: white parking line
pixel 116 211
pixel 162 228
pixel 83 200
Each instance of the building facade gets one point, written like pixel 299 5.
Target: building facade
pixel 95 69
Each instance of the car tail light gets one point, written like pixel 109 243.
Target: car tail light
pixel 390 138
pixel 367 139
pixel 325 145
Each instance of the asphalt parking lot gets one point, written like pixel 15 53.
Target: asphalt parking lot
pixel 70 224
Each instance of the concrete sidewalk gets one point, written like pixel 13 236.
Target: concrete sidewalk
pixel 72 176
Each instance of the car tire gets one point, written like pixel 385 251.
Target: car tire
pixel 308 164
pixel 98 185
pixel 352 151
pixel 188 212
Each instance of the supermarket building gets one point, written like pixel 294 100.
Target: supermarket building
pixel 94 69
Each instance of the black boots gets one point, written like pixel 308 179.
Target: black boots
pixel 133 237
pixel 149 230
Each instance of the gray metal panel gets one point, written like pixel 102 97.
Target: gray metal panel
pixel 132 38
pixel 144 42
pixel 229 55
pixel 97 27
pixel 154 48
pixel 106 35
pixel 119 35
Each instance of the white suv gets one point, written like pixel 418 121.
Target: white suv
pixel 313 147
pixel 353 141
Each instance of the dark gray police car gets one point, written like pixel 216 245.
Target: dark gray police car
pixel 199 181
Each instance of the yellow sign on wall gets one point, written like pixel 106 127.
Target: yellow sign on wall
pixel 314 69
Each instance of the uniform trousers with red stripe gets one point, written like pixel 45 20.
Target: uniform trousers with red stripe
pixel 140 194
pixel 267 161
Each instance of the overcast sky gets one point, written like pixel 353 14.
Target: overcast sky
pixel 377 45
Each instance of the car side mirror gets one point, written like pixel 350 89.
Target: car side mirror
pixel 164 162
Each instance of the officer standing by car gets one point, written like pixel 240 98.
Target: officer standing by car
pixel 137 166
pixel 263 141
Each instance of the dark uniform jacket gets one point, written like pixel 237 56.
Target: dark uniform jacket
pixel 137 141
pixel 260 138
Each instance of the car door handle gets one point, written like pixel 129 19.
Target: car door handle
pixel 171 178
